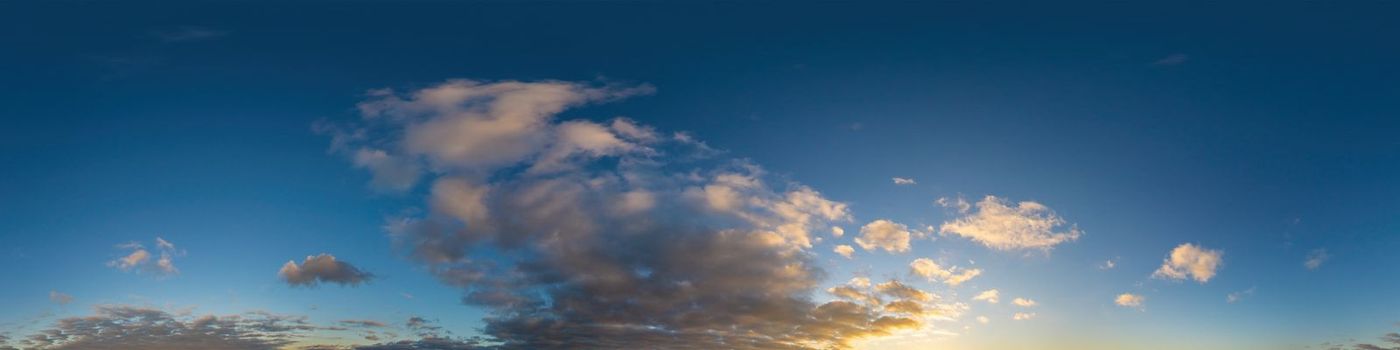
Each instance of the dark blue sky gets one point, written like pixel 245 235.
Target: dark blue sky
pixel 1266 131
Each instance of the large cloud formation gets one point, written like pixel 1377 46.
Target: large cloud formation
pixel 1000 225
pixel 323 268
pixel 602 234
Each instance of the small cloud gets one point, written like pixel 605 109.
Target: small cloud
pixel 1190 260
pixel 983 320
pixel 1316 258
pixel 406 295
pixel 856 126
pixel 930 270
pixel 322 268
pixel 991 296
pixel 1108 264
pixel 837 231
pixel 1171 60
pixel 1022 316
pixel 1240 295
pixel 844 250
pixel 904 181
pixel 188 34
pixel 1024 302
pixel 60 298
pixel 1129 300
pixel 141 260
pixel 363 323
pixel 1002 225
pixel 884 234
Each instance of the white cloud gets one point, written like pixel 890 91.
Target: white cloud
pixel 1129 300
pixel 1240 295
pixel 139 259
pixel 1022 316
pixel 991 296
pixel 983 320
pixel 1316 258
pixel 844 250
pixel 904 181
pixel 1190 260
pixel 859 282
pixel 837 231
pixel 884 234
pixel 1108 264
pixel 1023 302
pixel 930 270
pixel 998 224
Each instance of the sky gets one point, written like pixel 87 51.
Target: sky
pixel 699 175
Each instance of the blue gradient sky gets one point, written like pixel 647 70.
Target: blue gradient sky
pixel 1265 132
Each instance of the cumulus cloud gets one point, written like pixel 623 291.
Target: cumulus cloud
pixel 837 231
pixel 118 327
pixel 844 250
pixel 1022 302
pixel 1001 225
pixel 953 276
pixel 991 296
pixel 904 181
pixel 884 234
pixel 60 298
pixel 1315 259
pixel 323 268
pixel 141 260
pixel 1022 316
pixel 1129 300
pixel 605 235
pixel 1190 260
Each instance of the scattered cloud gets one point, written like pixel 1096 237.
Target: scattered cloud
pixel 1022 316
pixel 1108 264
pixel 991 296
pixel 1129 300
pixel 141 260
pixel 323 268
pixel 1000 225
pixel 904 181
pixel 844 250
pixel 884 234
pixel 952 276
pixel 837 231
pixel 1171 60
pixel 1022 302
pixel 1389 341
pixel 188 34
pixel 120 327
pixel 1190 260
pixel 588 222
pixel 60 298
pixel 363 323
pixel 1315 259
pixel 1240 295
pixel 983 320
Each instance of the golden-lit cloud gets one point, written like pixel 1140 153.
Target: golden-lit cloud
pixel 1001 225
pixel 1129 300
pixel 1190 260
pixel 884 234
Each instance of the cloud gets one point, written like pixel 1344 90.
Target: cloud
pixel 930 270
pixel 586 234
pixel 118 327
pixel 844 250
pixel 139 259
pixel 1316 258
pixel 363 323
pixel 884 234
pixel 1389 341
pixel 1023 302
pixel 837 231
pixel 904 181
pixel 60 298
pixel 1108 264
pixel 188 34
pixel 1171 60
pixel 1129 300
pixel 1022 316
pixel 999 225
pixel 983 320
pixel 1190 260
pixel 323 268
pixel 1240 295
pixel 991 296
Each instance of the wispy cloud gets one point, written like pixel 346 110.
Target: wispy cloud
pixel 186 34
pixel 1315 259
pixel 141 260
pixel 1234 297
pixel 904 181
pixel 1002 225
pixel 1171 60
